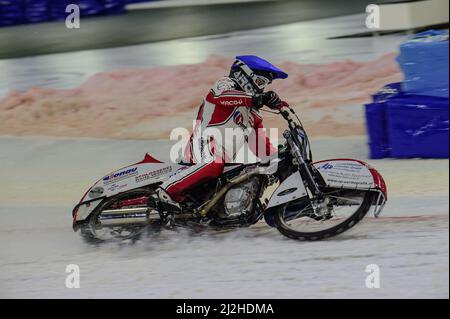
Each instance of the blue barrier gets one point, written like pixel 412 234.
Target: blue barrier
pixel 418 126
pixel 11 12
pixel 403 125
pixel 376 121
pixel 87 8
pixel 36 10
pixel 377 130
pixel 424 62
pixel 114 6
pixel 136 1
pixel 14 12
pixel 411 118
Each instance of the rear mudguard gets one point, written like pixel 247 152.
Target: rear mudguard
pixel 336 173
pixel 148 172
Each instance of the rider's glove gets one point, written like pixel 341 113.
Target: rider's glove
pixel 270 99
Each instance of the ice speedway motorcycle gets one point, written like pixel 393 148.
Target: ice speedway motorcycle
pixel 312 200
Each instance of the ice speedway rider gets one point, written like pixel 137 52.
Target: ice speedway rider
pixel 234 103
pixel 221 188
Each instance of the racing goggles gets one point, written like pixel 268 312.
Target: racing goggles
pixel 259 80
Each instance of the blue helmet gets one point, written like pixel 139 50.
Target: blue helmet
pixel 253 74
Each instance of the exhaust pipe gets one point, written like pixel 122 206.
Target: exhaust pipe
pixel 139 210
pixel 116 217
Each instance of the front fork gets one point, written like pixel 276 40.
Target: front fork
pixel 303 167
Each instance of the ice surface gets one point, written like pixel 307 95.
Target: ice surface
pixel 42 178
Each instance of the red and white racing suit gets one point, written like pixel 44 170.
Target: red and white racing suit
pixel 225 122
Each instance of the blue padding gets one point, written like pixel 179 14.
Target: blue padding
pixel 376 130
pixel 114 6
pixel 376 123
pixel 424 62
pixel 136 1
pixel 402 125
pixel 87 8
pixel 418 126
pixel 11 12
pixel 36 10
pixel 29 11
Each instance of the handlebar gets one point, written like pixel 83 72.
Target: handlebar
pixel 285 110
pixel 296 129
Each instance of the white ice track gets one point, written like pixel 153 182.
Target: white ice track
pixel 42 178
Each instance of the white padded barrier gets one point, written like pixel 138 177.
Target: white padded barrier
pixel 413 14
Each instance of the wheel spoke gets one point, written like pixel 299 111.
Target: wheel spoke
pixel 338 208
pixel 299 213
pixel 345 198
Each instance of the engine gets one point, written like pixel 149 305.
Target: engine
pixel 239 199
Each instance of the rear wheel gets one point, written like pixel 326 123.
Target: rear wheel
pixel 103 226
pixel 337 212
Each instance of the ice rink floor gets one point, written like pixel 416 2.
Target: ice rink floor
pixel 43 178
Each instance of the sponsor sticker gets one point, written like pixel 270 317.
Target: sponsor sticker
pixel 287 191
pixel 350 174
pixel 232 103
pixel 153 174
pixel 115 177
pixel 244 83
pixel 116 187
pixel 343 167
pixel 178 171
pixel 326 166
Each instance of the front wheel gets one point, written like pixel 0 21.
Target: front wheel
pixel 336 212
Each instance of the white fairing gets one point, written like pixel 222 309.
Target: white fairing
pixel 127 178
pixel 131 177
pixel 351 174
pixel 87 208
pixel 290 189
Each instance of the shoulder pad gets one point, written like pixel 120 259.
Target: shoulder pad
pixel 224 84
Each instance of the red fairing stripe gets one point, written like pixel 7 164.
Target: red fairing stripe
pixel 207 171
pixel 133 202
pixel 148 159
pixel 343 159
pixel 378 180
pixel 75 215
